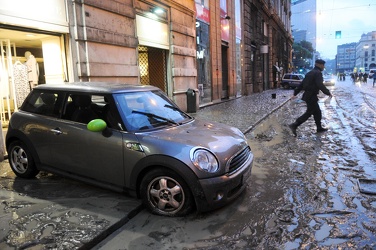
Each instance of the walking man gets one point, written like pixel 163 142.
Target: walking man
pixel 311 84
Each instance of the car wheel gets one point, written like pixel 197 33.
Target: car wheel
pixel 164 192
pixel 21 161
pixel 286 86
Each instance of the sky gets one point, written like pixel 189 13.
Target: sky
pixel 352 17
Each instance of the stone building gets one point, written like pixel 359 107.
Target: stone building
pixel 243 46
pixel 268 43
pixel 152 42
pixel 345 58
pixel 366 52
pixel 218 49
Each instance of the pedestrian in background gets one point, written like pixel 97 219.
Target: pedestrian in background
pixel 311 84
pixel 365 77
pixel 374 79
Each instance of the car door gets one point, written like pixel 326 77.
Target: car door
pixel 76 150
pixel 40 109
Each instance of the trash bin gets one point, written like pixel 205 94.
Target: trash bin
pixel 191 101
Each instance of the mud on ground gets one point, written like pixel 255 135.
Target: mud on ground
pixel 315 179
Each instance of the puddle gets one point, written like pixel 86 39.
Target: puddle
pixel 323 232
pixel 333 242
pixel 367 186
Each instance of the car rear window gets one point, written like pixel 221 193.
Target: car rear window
pixel 44 103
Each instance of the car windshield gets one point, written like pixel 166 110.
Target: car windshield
pixel 149 110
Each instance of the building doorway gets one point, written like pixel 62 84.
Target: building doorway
pixel 153 67
pixel 224 72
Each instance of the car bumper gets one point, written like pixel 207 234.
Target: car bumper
pixel 219 191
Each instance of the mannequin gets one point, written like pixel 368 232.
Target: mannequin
pixel 33 69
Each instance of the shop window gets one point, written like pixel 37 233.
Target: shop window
pixel 203 62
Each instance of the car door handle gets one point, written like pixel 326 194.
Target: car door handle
pixel 56 131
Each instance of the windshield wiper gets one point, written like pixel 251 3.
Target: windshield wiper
pixel 176 109
pixel 151 115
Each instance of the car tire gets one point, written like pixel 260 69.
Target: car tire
pixel 286 86
pixel 21 160
pixel 165 193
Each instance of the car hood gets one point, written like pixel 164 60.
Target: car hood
pixel 224 141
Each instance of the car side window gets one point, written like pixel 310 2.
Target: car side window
pixel 295 77
pixel 80 108
pixel 43 103
pixel 84 107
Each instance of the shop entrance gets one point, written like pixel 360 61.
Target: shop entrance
pixel 225 93
pixel 153 66
pixel 27 59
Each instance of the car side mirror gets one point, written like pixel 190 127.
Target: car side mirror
pixel 99 125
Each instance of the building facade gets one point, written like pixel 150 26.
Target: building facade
pixel 219 49
pixel 152 42
pixel 304 20
pixel 267 43
pixel 218 40
pixel 345 59
pixel 366 52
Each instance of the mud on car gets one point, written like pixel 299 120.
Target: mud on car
pixel 132 139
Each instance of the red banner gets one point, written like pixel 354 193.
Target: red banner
pixel 202 13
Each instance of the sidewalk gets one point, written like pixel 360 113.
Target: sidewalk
pixel 247 111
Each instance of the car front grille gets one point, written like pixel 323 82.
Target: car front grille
pixel 239 159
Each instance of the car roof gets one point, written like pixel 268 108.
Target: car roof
pixel 96 87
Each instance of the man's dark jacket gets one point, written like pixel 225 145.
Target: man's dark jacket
pixel 312 84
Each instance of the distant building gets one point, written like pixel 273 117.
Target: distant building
pixel 345 60
pixel 299 35
pixel 366 52
pixel 303 20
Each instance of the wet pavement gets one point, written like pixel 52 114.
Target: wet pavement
pixel 304 192
pixel 50 212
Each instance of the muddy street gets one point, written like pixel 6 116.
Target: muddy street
pixel 313 191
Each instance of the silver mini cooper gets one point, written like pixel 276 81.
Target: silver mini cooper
pixel 131 139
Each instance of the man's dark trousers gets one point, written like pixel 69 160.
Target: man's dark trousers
pixel 313 108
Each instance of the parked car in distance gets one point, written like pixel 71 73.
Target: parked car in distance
pixel 291 80
pixel 129 138
pixel 329 80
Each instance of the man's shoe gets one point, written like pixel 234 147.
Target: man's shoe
pixel 293 128
pixel 319 130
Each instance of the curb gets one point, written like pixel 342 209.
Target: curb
pixel 264 117
pixel 111 229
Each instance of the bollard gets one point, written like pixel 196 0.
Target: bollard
pixel 274 96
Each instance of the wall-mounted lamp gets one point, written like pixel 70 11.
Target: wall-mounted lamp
pixel 157 10
pixel 227 17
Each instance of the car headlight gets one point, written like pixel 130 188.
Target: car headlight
pixel 204 160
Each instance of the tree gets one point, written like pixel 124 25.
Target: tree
pixel 303 52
